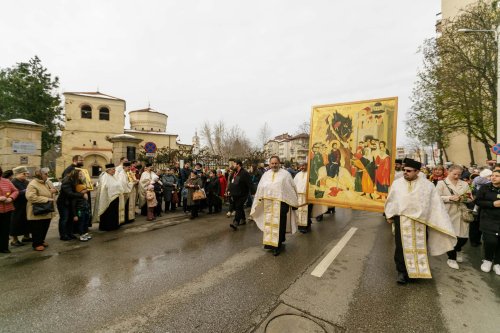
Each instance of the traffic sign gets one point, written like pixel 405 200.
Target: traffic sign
pixel 496 149
pixel 150 147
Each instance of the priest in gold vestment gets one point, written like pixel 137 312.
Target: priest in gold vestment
pixel 272 211
pixel 422 225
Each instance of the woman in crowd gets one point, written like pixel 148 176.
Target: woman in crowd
pixel 455 193
pixel 192 184
pixel 19 222
pixel 488 199
pixel 169 188
pixel 212 188
pixel 8 193
pixel 64 204
pixel 438 173
pixel 40 191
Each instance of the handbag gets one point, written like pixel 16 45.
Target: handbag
pixel 43 208
pixel 465 213
pixel 199 195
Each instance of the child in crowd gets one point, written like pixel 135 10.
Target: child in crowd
pixel 151 202
pixel 81 213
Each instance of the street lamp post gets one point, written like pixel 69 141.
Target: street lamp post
pixel 497 34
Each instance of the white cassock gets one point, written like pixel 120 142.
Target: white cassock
pixel 129 191
pixel 420 209
pixel 109 189
pixel 274 188
pixel 301 181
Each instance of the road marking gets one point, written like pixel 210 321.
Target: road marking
pixel 330 257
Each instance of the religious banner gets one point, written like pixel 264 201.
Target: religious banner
pixel 352 148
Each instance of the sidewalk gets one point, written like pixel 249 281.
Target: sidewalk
pixel 56 246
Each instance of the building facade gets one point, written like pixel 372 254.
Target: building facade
pixel 20 144
pixel 95 122
pixel 288 148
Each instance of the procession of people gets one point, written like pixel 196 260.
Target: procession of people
pixel 433 212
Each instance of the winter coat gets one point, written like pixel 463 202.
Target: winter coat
pixel 38 191
pixel 192 184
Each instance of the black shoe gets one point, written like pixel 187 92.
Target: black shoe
pixel 71 236
pixel 319 218
pixel 242 222
pixel 233 225
pixel 5 251
pixel 65 238
pixel 276 251
pixel 475 244
pixel 27 240
pixel 402 278
pixel 16 243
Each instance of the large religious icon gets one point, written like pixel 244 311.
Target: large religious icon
pixel 351 153
pixel 88 180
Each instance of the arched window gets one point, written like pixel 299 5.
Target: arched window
pixel 86 111
pixel 103 113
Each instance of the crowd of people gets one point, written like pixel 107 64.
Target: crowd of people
pixel 433 211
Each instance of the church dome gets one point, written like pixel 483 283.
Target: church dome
pixel 148 120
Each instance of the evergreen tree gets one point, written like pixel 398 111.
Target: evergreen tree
pixel 28 91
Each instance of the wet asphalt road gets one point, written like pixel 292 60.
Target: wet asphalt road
pixel 177 275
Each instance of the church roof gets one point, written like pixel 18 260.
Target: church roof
pixel 147 110
pixel 95 94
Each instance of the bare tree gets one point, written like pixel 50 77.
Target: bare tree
pixel 264 135
pixel 225 142
pixel 304 127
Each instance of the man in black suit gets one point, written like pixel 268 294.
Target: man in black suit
pixel 239 188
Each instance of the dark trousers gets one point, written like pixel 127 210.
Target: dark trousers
pixel 452 255
pixel 399 258
pixel 239 203
pixel 65 220
pixel 491 247
pixel 218 208
pixel 83 221
pixel 169 205
pixel 213 203
pixel 159 198
pixel 127 202
pixel 184 205
pixel 39 230
pixel 194 208
pixel 4 230
pixel 284 210
pixel 474 232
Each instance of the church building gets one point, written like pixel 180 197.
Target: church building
pixel 95 129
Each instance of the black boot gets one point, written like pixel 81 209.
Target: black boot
pixel 402 278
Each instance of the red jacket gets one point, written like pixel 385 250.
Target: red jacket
pixel 7 189
pixel 223 185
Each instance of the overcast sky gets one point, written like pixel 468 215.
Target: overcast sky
pixel 245 62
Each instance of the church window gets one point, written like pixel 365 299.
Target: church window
pixel 86 111
pixel 103 113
